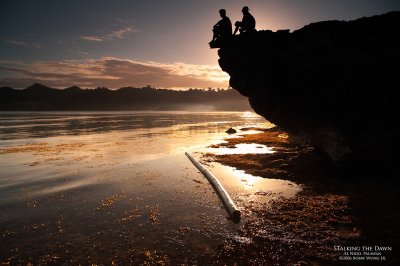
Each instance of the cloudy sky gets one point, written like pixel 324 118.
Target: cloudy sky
pixel 136 43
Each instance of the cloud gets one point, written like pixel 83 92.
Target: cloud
pixel 120 33
pixel 92 38
pixel 80 51
pixel 25 44
pixel 112 73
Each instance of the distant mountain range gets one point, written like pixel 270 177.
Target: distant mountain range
pixel 39 97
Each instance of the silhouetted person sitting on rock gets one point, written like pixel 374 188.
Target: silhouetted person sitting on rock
pixel 222 30
pixel 248 23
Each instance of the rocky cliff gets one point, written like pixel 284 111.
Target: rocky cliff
pixel 335 83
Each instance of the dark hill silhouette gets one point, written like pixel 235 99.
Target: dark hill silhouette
pixel 39 97
pixel 39 88
pixel 73 90
pixel 334 82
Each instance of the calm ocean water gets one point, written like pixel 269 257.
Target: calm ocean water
pixel 24 125
pixel 98 187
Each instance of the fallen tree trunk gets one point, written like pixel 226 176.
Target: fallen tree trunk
pixel 224 196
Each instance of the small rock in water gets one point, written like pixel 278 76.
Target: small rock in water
pixel 231 131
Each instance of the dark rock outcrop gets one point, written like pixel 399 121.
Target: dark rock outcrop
pixel 335 83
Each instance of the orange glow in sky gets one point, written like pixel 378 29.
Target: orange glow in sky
pixel 138 43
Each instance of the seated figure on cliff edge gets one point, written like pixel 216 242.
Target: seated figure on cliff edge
pixel 248 23
pixel 222 31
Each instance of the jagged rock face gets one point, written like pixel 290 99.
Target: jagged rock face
pixel 335 83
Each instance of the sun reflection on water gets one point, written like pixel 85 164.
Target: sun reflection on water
pixel 249 187
pixel 243 148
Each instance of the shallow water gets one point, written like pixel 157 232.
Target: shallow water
pixel 116 186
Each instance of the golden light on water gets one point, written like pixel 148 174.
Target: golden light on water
pixel 244 148
pixel 248 114
pixel 90 171
pixel 251 187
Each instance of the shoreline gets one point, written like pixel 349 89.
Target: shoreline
pixel 330 210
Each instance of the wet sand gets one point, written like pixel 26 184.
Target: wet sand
pixel 336 207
